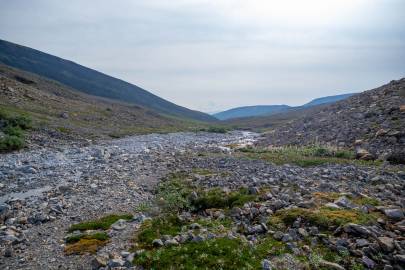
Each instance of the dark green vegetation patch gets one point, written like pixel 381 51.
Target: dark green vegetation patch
pixel 14 126
pixel 103 223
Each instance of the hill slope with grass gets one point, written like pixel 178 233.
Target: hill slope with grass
pixel 58 111
pixel 373 121
pixel 89 81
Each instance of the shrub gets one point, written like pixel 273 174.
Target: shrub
pixel 216 129
pixel 9 143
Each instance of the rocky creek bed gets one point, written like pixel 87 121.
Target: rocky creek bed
pixel 183 194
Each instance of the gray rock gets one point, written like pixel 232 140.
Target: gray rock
pixel 395 214
pixel 386 243
pixel 157 243
pixel 344 202
pixel 98 262
pixel 171 242
pixel 330 265
pixel 368 262
pixel 266 265
pixel 116 263
pixel 356 229
pixel 119 225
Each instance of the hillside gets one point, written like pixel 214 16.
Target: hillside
pixel 327 100
pixel 374 119
pixel 89 81
pixel 248 111
pixel 267 110
pixel 67 114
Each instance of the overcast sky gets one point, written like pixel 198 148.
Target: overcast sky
pixel 214 55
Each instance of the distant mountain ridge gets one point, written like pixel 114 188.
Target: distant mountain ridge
pixel 266 110
pixel 89 81
pixel 248 111
pixel 327 100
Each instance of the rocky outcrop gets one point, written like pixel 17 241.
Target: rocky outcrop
pixel 374 120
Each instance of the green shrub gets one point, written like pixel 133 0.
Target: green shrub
pixel 215 129
pixel 14 131
pixel 9 143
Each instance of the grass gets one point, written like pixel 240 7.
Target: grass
pixel 306 156
pixel 103 223
pixel 325 218
pixel 101 236
pixel 13 125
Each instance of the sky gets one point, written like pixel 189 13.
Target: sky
pixel 219 54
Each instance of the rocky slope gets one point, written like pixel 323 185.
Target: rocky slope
pixel 272 223
pixel 373 120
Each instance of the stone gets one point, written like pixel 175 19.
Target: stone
pixel 344 202
pixel 171 242
pixel 303 232
pixel 330 265
pixel 253 190
pixel 116 263
pixel 395 214
pixel 98 262
pixel 386 243
pixel 356 229
pixel 362 242
pixel 278 235
pixel 363 154
pixel 369 263
pixel 400 258
pixel 332 205
pixel 119 225
pixel 4 212
pixel 8 252
pixel 195 226
pixel 157 243
pixel 266 265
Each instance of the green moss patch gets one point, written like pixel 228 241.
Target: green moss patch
pixel 102 236
pixel 217 198
pixel 323 217
pixel 103 223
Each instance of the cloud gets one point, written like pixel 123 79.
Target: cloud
pixel 212 55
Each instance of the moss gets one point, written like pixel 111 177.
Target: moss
pixel 324 217
pixel 84 246
pixel 102 236
pixel 220 253
pixel 103 223
pixel 172 193
pixel 155 228
pixel 362 200
pixel 217 198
